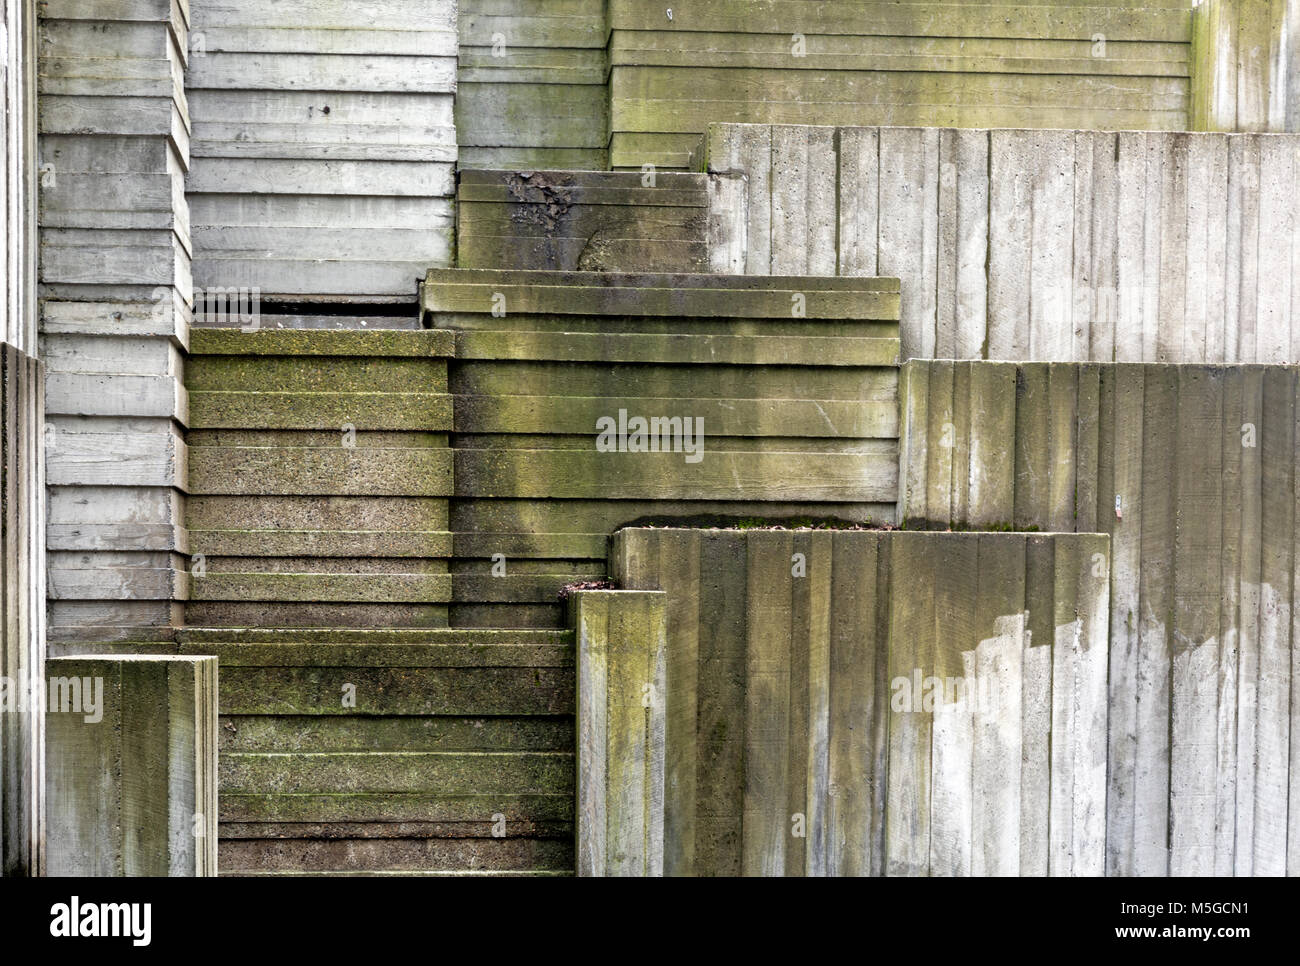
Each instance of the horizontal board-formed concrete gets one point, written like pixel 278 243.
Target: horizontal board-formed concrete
pixel 324 145
pixel 132 765
pixel 318 477
pixel 1105 65
pixel 1069 246
pixel 22 612
pixel 880 703
pixel 116 281
pixel 1192 471
pixel 394 751
pixel 772 398
pixel 531 84
pixel 601 221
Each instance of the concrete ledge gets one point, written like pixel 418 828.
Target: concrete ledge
pixel 596 293
pixel 300 470
pixel 430 412
pixel 131 758
pixel 621 654
pixel 318 342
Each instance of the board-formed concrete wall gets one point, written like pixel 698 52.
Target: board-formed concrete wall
pixel 793 383
pixel 22 613
pixel 583 221
pixel 868 703
pixel 318 476
pixel 621 643
pixel 116 283
pixel 22 463
pixel 393 751
pixel 18 319
pixel 531 90
pixel 1246 65
pixel 132 766
pixel 324 145
pixel 1110 65
pixel 1069 246
pixel 1192 472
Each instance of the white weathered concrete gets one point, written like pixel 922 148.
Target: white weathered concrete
pixel 324 145
pixel 1032 245
pixel 117 283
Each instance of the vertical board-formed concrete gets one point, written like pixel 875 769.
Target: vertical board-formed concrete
pixel 18 175
pixel 587 221
pixel 621 640
pixel 1246 65
pixel 115 274
pixel 324 145
pixel 131 775
pixel 531 85
pixel 1069 246
pixel 868 703
pixel 675 70
pixel 585 401
pixel 1191 470
pixel 319 473
pixel 22 459
pixel 22 614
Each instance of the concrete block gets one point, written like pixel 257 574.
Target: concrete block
pixel 621 666
pixel 132 766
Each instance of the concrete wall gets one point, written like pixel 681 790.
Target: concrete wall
pixel 1246 65
pixel 790 747
pixel 324 145
pixel 116 282
pixel 798 415
pixel 394 751
pixel 1192 471
pixel 532 84
pixel 1031 245
pixel 622 643
pixel 132 766
pixel 22 614
pixel 318 476
pixel 1115 65
pixel 22 464
pixel 18 175
pixel 582 221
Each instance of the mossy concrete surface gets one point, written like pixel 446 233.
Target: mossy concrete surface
pixel 1246 66
pixel 131 765
pixel 319 469
pixel 880 703
pixel 1118 66
pixel 582 221
pixel 621 640
pixel 531 85
pixel 791 381
pixel 1191 470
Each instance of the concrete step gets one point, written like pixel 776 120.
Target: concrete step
pixel 410 856
pixel 433 873
pixel 402 772
pixel 407 752
pixel 304 811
